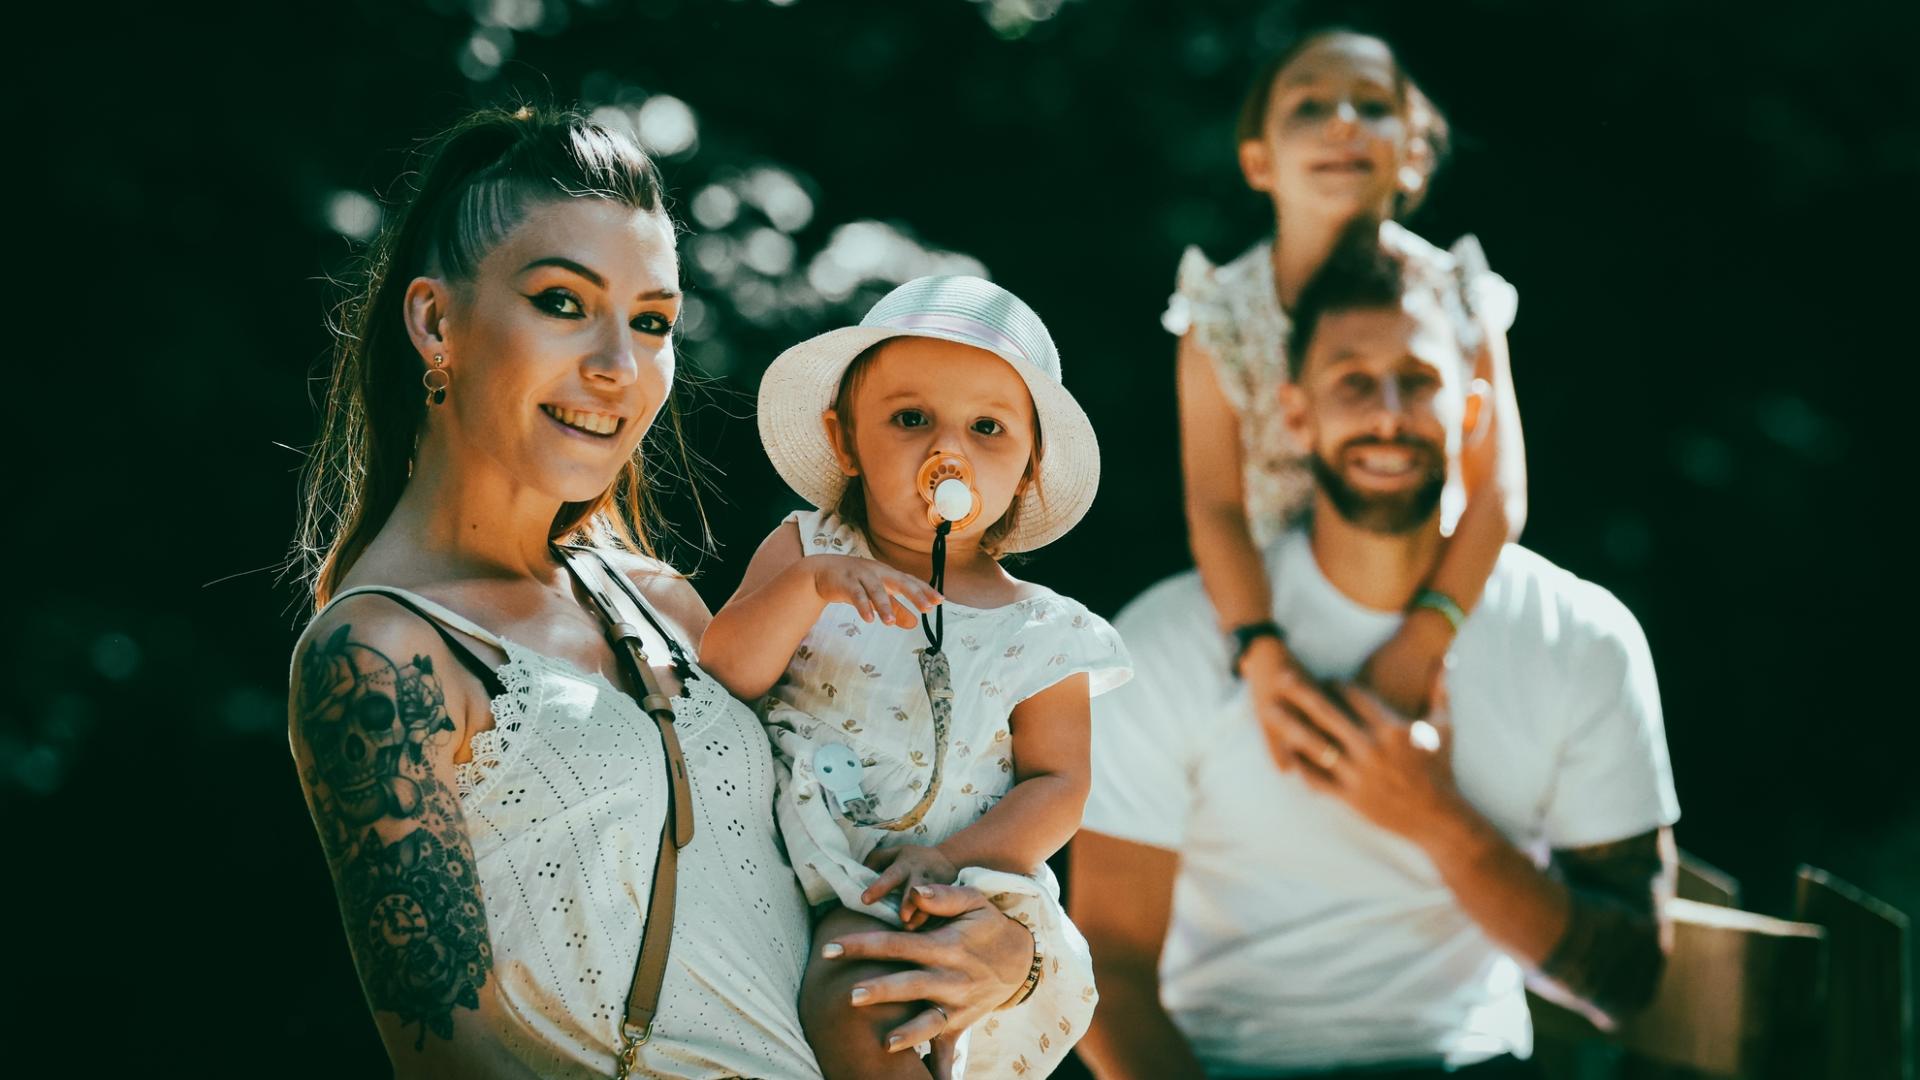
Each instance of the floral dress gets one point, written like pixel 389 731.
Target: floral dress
pixel 864 760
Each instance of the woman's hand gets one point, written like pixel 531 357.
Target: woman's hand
pixel 909 866
pixel 875 589
pixel 965 968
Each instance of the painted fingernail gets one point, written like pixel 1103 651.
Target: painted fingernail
pixel 832 950
pixel 861 994
pixel 922 890
pixel 893 1042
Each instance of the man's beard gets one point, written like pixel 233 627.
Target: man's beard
pixel 1390 515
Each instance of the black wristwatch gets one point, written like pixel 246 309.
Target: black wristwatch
pixel 1244 637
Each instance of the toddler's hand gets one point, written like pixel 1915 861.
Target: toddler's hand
pixel 873 588
pixel 907 867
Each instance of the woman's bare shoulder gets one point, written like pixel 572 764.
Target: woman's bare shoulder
pixel 368 620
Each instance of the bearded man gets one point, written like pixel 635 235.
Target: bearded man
pixel 1357 893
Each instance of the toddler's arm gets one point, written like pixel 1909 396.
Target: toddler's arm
pixel 752 638
pixel 1052 734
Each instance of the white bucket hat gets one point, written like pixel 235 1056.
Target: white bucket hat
pixel 802 383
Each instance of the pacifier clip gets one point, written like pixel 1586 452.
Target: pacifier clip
pixel 945 482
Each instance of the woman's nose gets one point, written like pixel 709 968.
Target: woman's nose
pixel 614 360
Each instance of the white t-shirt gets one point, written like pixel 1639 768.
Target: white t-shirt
pixel 1304 937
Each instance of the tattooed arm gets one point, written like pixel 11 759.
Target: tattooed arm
pixel 1595 922
pixel 1618 936
pixel 373 738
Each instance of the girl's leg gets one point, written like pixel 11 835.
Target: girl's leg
pixel 850 1040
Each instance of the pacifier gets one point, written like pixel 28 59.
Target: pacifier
pixel 945 483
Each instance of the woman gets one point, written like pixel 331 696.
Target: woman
pixel 505 823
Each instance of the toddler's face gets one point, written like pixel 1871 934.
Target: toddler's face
pixel 919 395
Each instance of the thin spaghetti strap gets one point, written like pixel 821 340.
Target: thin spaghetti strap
pixel 420 606
pixel 438 612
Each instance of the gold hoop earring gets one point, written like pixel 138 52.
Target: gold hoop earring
pixel 437 380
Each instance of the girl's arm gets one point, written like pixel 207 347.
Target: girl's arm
pixel 1230 565
pixel 1232 569
pixel 1494 467
pixel 751 639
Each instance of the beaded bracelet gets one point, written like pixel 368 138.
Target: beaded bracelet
pixel 1033 978
pixel 1442 603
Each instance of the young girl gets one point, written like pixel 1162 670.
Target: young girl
pixel 922 734
pixel 1331 131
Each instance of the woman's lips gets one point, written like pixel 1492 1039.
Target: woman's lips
pixel 596 424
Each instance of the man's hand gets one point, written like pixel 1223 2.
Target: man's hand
pixel 1394 772
pixel 875 589
pixel 909 866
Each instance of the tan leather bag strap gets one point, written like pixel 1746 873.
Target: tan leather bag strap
pixel 676 831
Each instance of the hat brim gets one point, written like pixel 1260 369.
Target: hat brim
pixel 800 385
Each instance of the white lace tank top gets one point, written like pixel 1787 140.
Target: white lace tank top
pixel 563 802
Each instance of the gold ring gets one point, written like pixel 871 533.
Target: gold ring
pixel 1330 756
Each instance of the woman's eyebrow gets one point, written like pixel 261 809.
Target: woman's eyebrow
pixel 564 263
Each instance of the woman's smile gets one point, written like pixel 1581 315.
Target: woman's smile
pixel 580 422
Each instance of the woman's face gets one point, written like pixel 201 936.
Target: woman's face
pixel 1336 135
pixel 919 395
pixel 560 350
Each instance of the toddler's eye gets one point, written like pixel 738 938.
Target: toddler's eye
pixel 1310 108
pixel 558 302
pixel 910 418
pixel 987 425
pixel 1374 110
pixel 652 322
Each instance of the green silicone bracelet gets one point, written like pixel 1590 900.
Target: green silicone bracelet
pixel 1442 603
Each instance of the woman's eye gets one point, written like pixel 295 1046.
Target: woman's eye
pixel 1310 107
pixel 559 302
pixel 987 425
pixel 652 322
pixel 910 418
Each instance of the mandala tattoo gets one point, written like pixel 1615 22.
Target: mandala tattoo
pixel 1612 953
pixel 411 904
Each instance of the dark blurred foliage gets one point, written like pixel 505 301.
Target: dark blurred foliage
pixel 1704 206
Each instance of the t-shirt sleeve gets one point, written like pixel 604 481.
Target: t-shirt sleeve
pixel 1147 734
pixel 1070 641
pixel 1614 779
